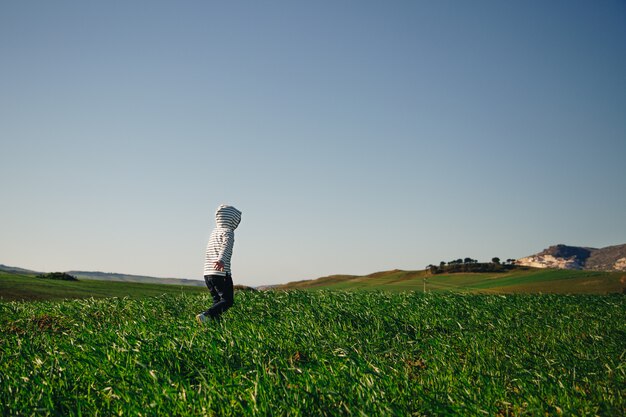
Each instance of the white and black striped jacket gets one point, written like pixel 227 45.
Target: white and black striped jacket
pixel 220 246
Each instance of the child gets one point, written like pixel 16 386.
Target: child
pixel 217 262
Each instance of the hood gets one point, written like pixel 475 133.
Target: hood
pixel 227 217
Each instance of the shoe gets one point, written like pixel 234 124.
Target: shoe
pixel 201 318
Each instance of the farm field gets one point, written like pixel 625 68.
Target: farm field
pixel 307 353
pixel 523 280
pixel 16 287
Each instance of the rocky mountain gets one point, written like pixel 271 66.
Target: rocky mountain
pixel 611 258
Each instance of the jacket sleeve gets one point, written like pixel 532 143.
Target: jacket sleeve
pixel 226 250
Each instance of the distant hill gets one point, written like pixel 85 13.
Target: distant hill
pixel 108 276
pixel 611 258
pixel 16 270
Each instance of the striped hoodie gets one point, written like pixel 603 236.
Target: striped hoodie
pixel 220 246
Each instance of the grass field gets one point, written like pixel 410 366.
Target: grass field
pixel 15 287
pixel 526 280
pixel 310 353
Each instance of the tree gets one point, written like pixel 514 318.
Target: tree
pixel 496 260
pixel 62 276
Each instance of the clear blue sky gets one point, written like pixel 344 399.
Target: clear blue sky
pixel 355 136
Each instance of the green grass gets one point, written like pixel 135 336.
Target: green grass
pixel 306 353
pixel 522 280
pixel 15 287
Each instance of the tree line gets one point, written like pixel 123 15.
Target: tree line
pixel 472 265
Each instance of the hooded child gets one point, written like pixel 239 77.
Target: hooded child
pixel 217 272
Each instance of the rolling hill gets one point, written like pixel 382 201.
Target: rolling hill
pixel 518 280
pixel 110 276
pixel 27 287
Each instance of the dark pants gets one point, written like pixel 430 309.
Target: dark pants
pixel 221 288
